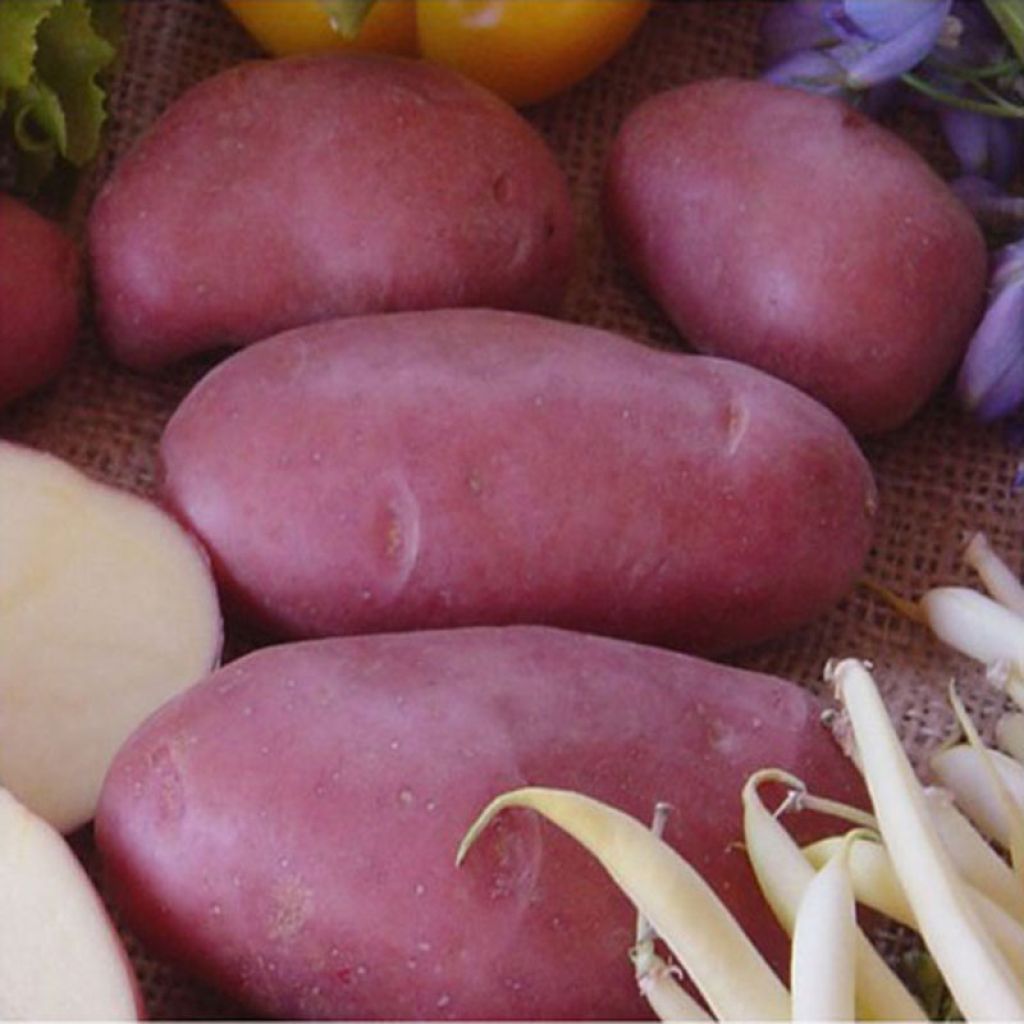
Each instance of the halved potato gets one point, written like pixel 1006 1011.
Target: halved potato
pixel 107 608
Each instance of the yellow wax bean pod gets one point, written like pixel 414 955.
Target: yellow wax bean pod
pixel 822 972
pixel 973 624
pixel 1010 735
pixel 1012 803
pixel 1004 928
pixel 783 874
pixel 978 975
pixel 976 625
pixel 973 857
pixel 962 770
pixel 999 579
pixel 723 963
pixel 655 978
pixel 875 885
pixel 874 882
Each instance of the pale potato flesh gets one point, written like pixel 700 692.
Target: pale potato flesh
pixel 107 608
pixel 60 956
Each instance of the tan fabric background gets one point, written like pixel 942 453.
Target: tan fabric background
pixel 939 478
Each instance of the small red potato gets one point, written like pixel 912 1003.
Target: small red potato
pixel 282 192
pixel 471 467
pixel 39 299
pixel 288 828
pixel 790 232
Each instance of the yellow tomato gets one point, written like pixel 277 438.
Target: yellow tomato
pixel 525 50
pixel 284 27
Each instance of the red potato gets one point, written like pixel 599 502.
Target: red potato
pixel 284 192
pixel 790 232
pixel 288 828
pixel 39 286
pixel 470 467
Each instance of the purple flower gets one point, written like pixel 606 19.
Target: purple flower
pixel 871 41
pixel 976 40
pixel 885 20
pixel 987 147
pixel 991 378
pixel 992 207
pixel 898 35
pixel 810 70
pixel 788 28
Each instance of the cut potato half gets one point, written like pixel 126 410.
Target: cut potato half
pixel 60 956
pixel 107 609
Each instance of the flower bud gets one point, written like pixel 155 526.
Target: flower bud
pixel 991 378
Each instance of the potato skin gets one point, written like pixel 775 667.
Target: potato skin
pixel 790 232
pixel 472 467
pixel 39 299
pixel 283 192
pixel 288 827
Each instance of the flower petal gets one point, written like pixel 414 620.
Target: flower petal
pixel 991 378
pixel 787 28
pixel 967 135
pixel 987 147
pixel 979 40
pixel 810 70
pixel 882 20
pixel 900 53
pixel 992 207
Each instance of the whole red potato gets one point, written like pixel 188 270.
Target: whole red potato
pixel 39 297
pixel 288 827
pixel 282 192
pixel 788 231
pixel 480 467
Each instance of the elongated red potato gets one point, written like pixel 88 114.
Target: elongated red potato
pixel 471 467
pixel 288 828
pixel 39 283
pixel 789 231
pixel 282 192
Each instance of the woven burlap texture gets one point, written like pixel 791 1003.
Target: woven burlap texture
pixel 939 479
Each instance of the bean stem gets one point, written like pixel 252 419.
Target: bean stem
pixel 654 977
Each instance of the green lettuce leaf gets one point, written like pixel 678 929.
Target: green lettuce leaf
pixel 39 131
pixel 19 23
pixel 71 55
pixel 53 106
pixel 106 19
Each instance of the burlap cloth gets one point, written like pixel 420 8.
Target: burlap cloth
pixel 939 478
